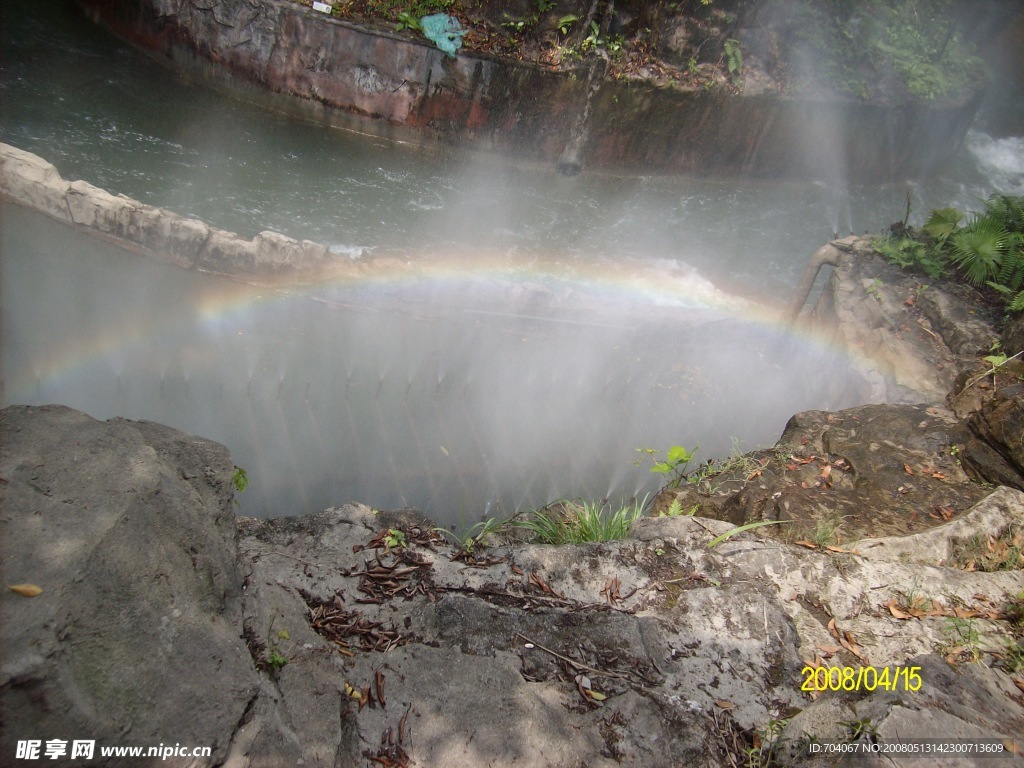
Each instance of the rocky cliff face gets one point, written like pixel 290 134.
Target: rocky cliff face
pixel 128 529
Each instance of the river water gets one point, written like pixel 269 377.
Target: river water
pixel 515 337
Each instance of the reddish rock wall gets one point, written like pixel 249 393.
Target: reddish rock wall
pixel 387 84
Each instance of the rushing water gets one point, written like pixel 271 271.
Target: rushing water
pixel 517 334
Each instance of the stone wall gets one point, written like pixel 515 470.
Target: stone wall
pixel 398 87
pixel 30 181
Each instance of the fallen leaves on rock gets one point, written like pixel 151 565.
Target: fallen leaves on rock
pixel 922 609
pixel 392 753
pixel 343 627
pixel 406 574
pixel 845 638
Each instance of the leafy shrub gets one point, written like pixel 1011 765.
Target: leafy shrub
pixel 987 250
pixel 885 47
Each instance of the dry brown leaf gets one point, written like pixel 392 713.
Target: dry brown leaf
pixel 841 551
pixel 829 649
pixel 721 704
pixel 832 628
pixel 907 469
pixel 897 611
pixel 805 543
pixel 850 644
pixel 26 590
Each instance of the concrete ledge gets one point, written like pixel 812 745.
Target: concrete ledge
pixel 30 181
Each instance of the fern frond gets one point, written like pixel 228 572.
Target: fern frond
pixel 1011 274
pixel 1017 305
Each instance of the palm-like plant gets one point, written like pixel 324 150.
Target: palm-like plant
pixel 942 224
pixel 979 249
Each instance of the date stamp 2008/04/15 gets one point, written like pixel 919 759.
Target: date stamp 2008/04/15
pixel 820 679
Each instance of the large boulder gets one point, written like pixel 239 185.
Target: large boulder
pixel 381 642
pixel 909 339
pixel 128 528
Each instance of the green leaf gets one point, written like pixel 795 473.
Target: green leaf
pixel 678 455
pixel 942 224
pixel 978 249
pixel 749 526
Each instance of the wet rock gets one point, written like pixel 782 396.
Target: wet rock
pixel 1013 335
pixel 34 183
pixel 31 181
pixel 911 339
pixel 128 529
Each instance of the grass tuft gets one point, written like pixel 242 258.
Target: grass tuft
pixel 576 522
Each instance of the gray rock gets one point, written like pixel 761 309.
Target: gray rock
pixel 911 339
pixel 379 643
pixel 128 528
pixel 694 648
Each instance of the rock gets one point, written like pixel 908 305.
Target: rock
pixel 956 704
pixel 1013 335
pixel 128 528
pixel 872 470
pixel 991 442
pixel 477 648
pixel 377 641
pixel 30 181
pixel 993 516
pixel 911 340
pixel 692 647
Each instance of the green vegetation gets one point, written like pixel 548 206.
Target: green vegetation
pixel 991 553
pixel 740 529
pixel 861 729
pixel 674 463
pixel 478 536
pixel 240 480
pixel 762 753
pixel 675 509
pixel 394 538
pixel 275 658
pixel 824 534
pixel 887 48
pixel 733 60
pixel 962 637
pixel 407 20
pixel 413 9
pixel 986 251
pixel 576 522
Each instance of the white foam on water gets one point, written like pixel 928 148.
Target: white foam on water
pixel 1000 160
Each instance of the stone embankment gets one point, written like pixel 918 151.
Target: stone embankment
pixel 401 86
pixel 30 181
